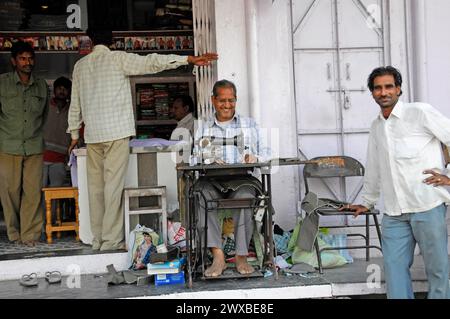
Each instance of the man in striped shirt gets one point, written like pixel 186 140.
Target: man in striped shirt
pixel 228 124
pixel 101 98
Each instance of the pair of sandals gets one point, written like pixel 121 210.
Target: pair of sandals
pixel 31 280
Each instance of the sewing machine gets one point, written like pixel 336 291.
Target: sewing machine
pixel 209 148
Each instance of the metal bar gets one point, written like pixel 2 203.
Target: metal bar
pixel 355 193
pixel 269 223
pixel 304 16
pixel 367 238
pixel 351 247
pixel 342 48
pixel 189 227
pixel 367 15
pixel 294 76
pixel 342 182
pixel 335 131
pixel 377 226
pixel 347 90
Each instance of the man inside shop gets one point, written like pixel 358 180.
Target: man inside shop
pixel 182 110
pixel 23 112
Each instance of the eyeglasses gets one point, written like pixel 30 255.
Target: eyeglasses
pixel 223 101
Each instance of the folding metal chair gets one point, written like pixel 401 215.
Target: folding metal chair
pixel 339 167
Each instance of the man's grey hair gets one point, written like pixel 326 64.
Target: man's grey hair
pixel 223 84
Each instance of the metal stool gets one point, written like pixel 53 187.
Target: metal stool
pixel 56 193
pixel 160 192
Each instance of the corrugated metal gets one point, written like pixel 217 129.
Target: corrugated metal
pixel 205 41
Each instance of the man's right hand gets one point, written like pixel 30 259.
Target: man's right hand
pixel 72 146
pixel 356 209
pixel 203 60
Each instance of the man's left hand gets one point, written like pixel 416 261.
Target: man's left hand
pixel 203 60
pixel 436 179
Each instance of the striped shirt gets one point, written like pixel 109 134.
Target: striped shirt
pixel 254 142
pixel 101 92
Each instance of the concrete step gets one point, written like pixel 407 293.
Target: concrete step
pixel 67 265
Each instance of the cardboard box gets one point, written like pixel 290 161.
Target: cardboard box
pixel 169 279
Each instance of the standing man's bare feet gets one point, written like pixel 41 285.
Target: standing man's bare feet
pixel 242 266
pixel 218 265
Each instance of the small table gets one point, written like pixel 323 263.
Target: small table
pixel 56 193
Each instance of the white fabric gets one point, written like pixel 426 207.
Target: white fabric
pixel 101 91
pixel 187 123
pixel 400 149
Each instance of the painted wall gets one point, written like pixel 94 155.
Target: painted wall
pixel 277 101
pixel 232 48
pixel 438 54
pixel 253 41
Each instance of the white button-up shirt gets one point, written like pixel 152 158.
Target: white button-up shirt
pixel 400 149
pixel 184 126
pixel 101 91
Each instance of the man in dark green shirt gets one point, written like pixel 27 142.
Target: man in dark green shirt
pixel 23 110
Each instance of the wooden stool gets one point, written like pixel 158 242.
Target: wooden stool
pixel 161 209
pixel 56 193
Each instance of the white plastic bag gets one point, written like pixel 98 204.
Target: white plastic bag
pixel 176 234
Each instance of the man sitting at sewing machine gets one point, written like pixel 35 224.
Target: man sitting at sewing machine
pixel 243 145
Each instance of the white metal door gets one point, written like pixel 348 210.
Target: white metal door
pixel 337 43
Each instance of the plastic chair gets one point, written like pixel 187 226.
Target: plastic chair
pixel 341 167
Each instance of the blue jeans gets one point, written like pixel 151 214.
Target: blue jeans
pixel 400 235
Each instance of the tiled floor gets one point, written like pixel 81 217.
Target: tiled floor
pixel 65 245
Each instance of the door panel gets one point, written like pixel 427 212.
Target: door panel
pixel 359 108
pixel 359 24
pixel 314 24
pixel 315 75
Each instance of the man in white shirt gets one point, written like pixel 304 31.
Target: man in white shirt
pixel 101 98
pixel 182 109
pixel 404 143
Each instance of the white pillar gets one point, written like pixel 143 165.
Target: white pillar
pixel 419 43
pixel 252 59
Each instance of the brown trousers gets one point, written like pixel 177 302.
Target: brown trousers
pixel 20 193
pixel 106 169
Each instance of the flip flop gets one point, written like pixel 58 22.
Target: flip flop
pixel 29 280
pixel 53 277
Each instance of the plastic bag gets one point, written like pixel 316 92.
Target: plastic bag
pixel 330 259
pixel 136 239
pixel 176 234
